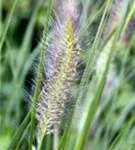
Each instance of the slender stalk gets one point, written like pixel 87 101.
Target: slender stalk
pixel 85 29
pixel 17 133
pixel 55 140
pixel 23 135
pixel 88 70
pixel 39 75
pixel 122 132
pixel 48 142
pixel 82 135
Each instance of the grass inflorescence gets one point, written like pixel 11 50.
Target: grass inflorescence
pixel 67 75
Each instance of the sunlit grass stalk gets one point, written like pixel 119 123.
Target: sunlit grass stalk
pixel 39 76
pixel 9 19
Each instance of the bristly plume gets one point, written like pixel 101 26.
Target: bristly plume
pixel 59 69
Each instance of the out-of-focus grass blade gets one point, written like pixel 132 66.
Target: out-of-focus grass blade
pixel 64 139
pixel 18 134
pixel 27 64
pixel 48 143
pixel 130 13
pixel 90 63
pixel 26 43
pixel 122 132
pixel 21 61
pixel 82 135
pixel 22 137
pixel 130 122
pixel 0 17
pixel 84 29
pixel 9 19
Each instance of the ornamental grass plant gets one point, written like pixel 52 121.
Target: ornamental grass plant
pixel 67 75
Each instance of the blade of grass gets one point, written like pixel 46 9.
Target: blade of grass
pixel 21 58
pixel 130 13
pixel 48 145
pixel 26 43
pixel 84 30
pixel 0 17
pixel 22 76
pixel 122 132
pixel 92 107
pixel 19 131
pixel 29 63
pixel 22 137
pixel 88 69
pixel 9 19
pixel 127 126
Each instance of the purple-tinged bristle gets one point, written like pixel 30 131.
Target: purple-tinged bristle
pixel 59 68
pixel 53 45
pixel 113 18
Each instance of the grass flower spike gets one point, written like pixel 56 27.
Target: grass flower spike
pixel 59 69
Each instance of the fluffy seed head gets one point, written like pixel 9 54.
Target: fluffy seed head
pixel 59 69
